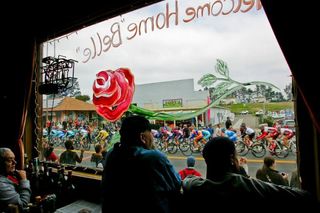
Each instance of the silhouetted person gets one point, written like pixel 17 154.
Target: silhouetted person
pixel 228 123
pixel 225 186
pixel 69 156
pixel 136 176
pixel 268 173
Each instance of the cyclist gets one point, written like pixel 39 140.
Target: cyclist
pixel 186 131
pixel 206 134
pixel 166 136
pixel 270 134
pixel 247 131
pixel 286 134
pixel 230 134
pixel 198 135
pixel 102 137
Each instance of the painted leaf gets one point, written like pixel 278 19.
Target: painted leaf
pixel 207 80
pixel 222 68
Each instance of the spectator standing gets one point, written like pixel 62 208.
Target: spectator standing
pixel 138 176
pixel 217 131
pixel 69 156
pixel 228 123
pixel 49 153
pixel 97 157
pixel 189 170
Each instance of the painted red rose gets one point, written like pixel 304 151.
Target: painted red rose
pixel 113 93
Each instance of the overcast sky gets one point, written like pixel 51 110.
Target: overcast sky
pixel 185 50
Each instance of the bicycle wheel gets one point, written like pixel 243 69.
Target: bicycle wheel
pixel 172 148
pixel 258 150
pixel 241 148
pixel 194 149
pixel 184 147
pixel 281 152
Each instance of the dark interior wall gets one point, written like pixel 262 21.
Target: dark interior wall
pixel 294 24
pixel 24 27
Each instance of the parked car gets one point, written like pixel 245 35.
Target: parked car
pixel 244 112
pixel 290 124
pixel 260 112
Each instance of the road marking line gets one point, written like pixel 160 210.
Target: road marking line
pixel 249 160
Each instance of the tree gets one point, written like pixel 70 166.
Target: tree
pixel 269 93
pixel 74 90
pixel 84 98
pixel 288 91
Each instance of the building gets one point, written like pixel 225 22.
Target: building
pixel 178 96
pixel 65 108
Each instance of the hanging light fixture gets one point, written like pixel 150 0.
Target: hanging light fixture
pixel 57 75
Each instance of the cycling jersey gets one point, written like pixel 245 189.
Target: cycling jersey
pixel 231 135
pixel 264 133
pixel 197 135
pixel 206 134
pixel 249 131
pixel 103 134
pixel 287 132
pixel 273 132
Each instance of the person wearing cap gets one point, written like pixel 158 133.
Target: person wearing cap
pixel 69 156
pixel 189 170
pixel 138 176
pixel 224 184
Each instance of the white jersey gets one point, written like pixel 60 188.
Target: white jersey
pixel 249 131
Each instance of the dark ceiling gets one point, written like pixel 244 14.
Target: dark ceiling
pixel 53 19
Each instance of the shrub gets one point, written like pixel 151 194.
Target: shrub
pixel 266 119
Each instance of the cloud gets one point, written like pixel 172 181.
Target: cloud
pixel 245 41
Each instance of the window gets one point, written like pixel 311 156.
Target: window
pixel 176 50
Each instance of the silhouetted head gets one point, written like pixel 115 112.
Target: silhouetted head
pixel 69 145
pixel 268 161
pixel 136 131
pixel 220 156
pixel 98 148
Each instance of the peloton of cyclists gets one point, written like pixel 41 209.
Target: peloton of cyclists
pixel 199 135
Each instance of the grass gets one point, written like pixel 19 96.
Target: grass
pixel 254 107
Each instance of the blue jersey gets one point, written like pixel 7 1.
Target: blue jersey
pixel 231 135
pixel 206 134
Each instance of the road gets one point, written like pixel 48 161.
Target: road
pixel 286 165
